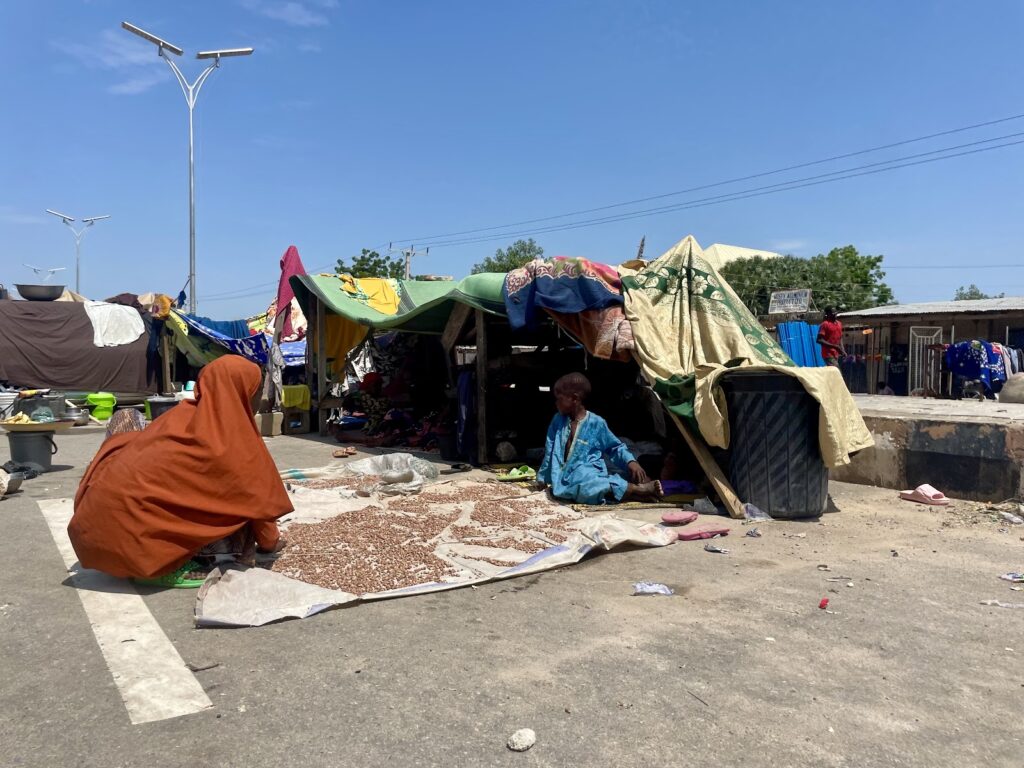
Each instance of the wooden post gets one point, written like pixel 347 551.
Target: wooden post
pixel 321 365
pixel 165 355
pixel 450 337
pixel 481 386
pixel 311 357
pixel 714 473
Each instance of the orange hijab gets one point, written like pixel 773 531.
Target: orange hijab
pixel 150 500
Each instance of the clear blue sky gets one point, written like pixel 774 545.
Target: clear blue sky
pixel 359 123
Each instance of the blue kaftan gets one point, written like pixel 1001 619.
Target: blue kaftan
pixel 583 477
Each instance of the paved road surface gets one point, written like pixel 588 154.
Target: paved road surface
pixel 740 668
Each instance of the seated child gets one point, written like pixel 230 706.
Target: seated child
pixel 576 446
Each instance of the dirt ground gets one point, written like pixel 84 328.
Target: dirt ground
pixel 739 667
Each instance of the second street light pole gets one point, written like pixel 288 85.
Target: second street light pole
pixel 79 234
pixel 191 93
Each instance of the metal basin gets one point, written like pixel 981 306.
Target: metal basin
pixel 40 292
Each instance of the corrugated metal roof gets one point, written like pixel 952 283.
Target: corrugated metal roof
pixel 720 254
pixel 968 306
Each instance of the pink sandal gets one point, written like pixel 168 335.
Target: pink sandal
pixel 925 494
pixel 679 517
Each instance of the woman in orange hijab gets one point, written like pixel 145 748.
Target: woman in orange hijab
pixel 151 500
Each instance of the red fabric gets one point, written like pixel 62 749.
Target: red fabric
pixel 291 264
pixel 832 332
pixel 151 499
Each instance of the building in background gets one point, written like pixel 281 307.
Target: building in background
pixel 901 344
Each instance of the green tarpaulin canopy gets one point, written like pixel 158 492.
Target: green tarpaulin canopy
pixel 424 306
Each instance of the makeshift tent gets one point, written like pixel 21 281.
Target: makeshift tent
pixel 348 308
pixel 687 326
pixel 51 344
pixel 690 329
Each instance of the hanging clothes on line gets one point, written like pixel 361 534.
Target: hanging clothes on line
pixel 978 361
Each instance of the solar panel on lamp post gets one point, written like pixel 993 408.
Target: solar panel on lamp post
pixel 191 93
pixel 79 233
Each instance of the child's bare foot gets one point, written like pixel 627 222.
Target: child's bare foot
pixel 649 491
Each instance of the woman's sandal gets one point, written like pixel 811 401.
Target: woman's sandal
pixel 178 579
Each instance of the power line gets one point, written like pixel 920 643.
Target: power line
pixel 848 173
pixel 269 283
pixel 809 181
pixel 738 179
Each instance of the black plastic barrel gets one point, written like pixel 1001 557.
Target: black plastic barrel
pixel 160 405
pixel 774 461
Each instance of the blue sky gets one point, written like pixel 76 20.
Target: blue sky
pixel 359 123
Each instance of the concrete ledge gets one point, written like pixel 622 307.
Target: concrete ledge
pixel 968 450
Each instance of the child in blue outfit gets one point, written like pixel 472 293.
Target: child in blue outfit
pixel 574 454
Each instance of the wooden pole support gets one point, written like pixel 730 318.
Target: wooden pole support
pixel 714 473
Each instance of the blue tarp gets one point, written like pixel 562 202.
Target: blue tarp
pixel 230 329
pixel 294 353
pixel 797 338
pixel 255 348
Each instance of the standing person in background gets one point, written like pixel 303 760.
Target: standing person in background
pixel 830 337
pixel 884 389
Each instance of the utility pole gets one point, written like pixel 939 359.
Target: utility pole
pixel 408 253
pixel 640 250
pixel 78 234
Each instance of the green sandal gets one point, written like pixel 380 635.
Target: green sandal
pixel 176 579
pixel 519 474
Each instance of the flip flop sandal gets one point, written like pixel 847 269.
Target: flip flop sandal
pixel 519 474
pixel 925 494
pixel 679 517
pixel 709 531
pixel 176 579
pixel 456 469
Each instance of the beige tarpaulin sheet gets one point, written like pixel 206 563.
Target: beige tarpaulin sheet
pixel 690 327
pixel 450 535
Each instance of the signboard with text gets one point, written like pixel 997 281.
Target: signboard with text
pixel 787 302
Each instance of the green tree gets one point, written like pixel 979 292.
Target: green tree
pixel 974 292
pixel 372 264
pixel 842 278
pixel 506 259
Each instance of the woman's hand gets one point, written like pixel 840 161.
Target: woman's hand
pixel 636 473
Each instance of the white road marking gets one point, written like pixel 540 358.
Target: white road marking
pixel 149 672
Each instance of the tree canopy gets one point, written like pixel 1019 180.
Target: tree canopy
pixel 506 259
pixel 842 278
pixel 372 264
pixel 974 292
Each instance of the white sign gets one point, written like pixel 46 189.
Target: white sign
pixel 785 302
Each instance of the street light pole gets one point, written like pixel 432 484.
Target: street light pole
pixel 191 93
pixel 79 234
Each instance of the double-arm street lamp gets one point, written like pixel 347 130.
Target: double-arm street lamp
pixel 191 92
pixel 79 234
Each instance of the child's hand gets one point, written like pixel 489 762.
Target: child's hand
pixel 636 473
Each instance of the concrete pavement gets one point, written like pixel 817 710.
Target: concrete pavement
pixel 739 668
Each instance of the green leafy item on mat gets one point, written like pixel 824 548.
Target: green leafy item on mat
pixel 519 473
